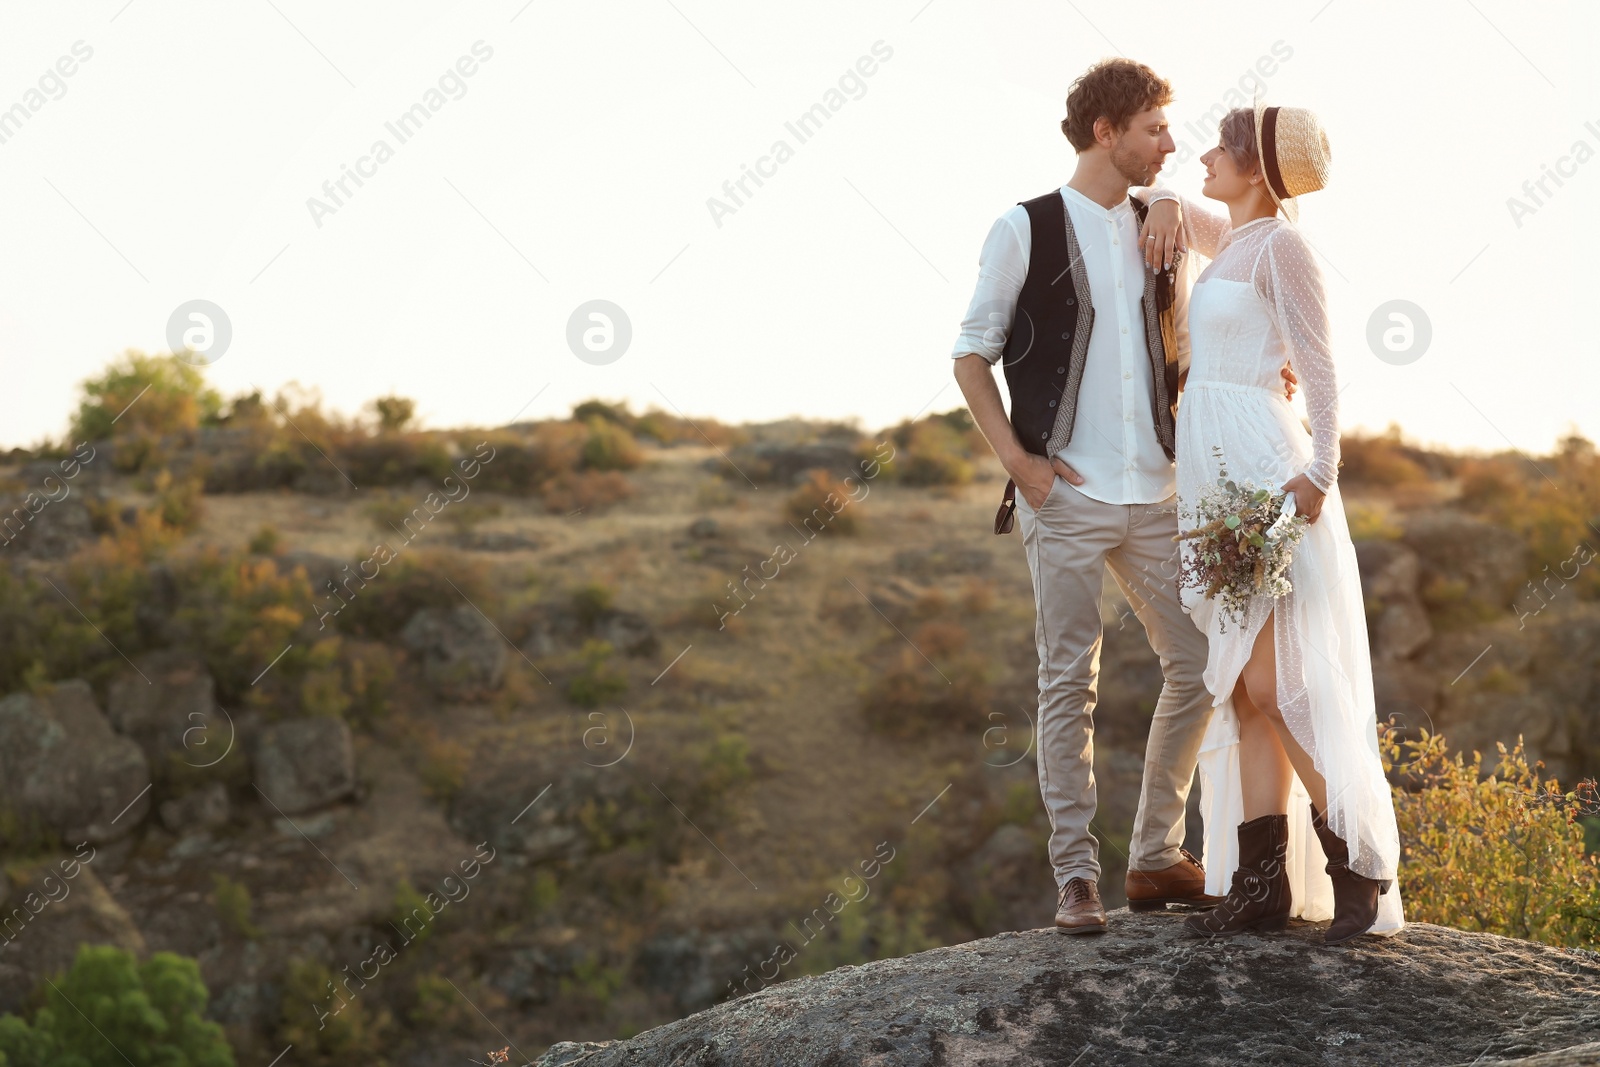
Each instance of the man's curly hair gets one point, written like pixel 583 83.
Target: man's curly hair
pixel 1115 89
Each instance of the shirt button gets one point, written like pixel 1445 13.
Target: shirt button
pixel 1125 374
pixel 1124 329
pixel 1119 283
pixel 1127 418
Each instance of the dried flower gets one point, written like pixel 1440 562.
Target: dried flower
pixel 1244 543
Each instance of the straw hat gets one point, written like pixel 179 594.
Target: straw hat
pixel 1293 149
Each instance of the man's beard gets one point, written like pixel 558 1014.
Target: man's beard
pixel 1130 166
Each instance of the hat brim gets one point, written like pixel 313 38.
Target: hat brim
pixel 1289 205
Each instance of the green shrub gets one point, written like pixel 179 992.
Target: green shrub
pixel 139 400
pixel 353 1032
pixel 616 414
pixel 609 447
pixel 597 681
pixel 1381 460
pixel 543 893
pixel 234 907
pixel 444 765
pixel 266 542
pixel 394 412
pixel 913 697
pixel 418 579
pixel 109 1011
pixel 592 981
pixel 590 601
pixel 935 453
pixel 410 913
pixel 438 1009
pixel 821 503
pixel 1503 853
pixel 178 503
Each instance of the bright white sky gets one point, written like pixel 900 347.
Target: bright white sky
pixel 178 162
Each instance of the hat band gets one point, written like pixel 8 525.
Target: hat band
pixel 1269 152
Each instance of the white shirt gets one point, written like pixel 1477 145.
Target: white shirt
pixel 1114 445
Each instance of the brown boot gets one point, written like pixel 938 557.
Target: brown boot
pixel 1182 884
pixel 1355 897
pixel 1258 899
pixel 1079 911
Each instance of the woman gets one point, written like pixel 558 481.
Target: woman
pixel 1291 756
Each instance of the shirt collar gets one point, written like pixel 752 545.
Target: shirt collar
pixel 1097 210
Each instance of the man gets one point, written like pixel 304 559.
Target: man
pixel 1095 350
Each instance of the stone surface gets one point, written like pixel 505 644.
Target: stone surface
pixel 462 653
pixel 56 903
pixel 493 805
pixel 1390 573
pixel 305 764
pixel 62 765
pixel 203 808
pixel 159 705
pixel 1143 995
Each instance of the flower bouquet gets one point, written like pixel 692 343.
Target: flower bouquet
pixel 1244 537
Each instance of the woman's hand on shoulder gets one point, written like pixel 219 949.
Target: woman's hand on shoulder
pixel 1163 221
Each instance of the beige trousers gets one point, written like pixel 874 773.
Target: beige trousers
pixel 1070 540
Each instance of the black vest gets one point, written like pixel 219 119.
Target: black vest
pixel 1041 371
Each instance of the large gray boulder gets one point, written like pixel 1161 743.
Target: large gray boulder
pixel 63 766
pixel 305 764
pixel 168 705
pixel 1390 576
pixel 1143 995
pixel 462 652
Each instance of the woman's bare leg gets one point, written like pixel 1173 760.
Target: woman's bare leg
pixel 1264 770
pixel 1260 681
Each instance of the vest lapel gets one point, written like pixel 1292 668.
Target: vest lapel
pixel 1161 339
pixel 1061 433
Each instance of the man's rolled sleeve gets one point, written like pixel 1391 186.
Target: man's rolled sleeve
pixel 1002 268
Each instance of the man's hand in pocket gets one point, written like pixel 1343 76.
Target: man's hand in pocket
pixel 1037 474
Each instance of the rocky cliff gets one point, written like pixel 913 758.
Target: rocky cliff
pixel 1142 994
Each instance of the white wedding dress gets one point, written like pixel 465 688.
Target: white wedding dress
pixel 1259 302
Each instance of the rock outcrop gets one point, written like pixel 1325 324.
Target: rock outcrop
pixel 305 764
pixel 168 703
pixel 54 905
pixel 63 767
pixel 1142 994
pixel 462 652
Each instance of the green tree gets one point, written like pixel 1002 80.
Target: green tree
pixel 110 1010
pixel 394 412
pixel 175 397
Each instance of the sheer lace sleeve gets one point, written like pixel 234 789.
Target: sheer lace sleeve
pixel 1205 230
pixel 1288 278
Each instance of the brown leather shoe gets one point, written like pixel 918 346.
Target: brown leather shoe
pixel 1182 884
pixel 1079 910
